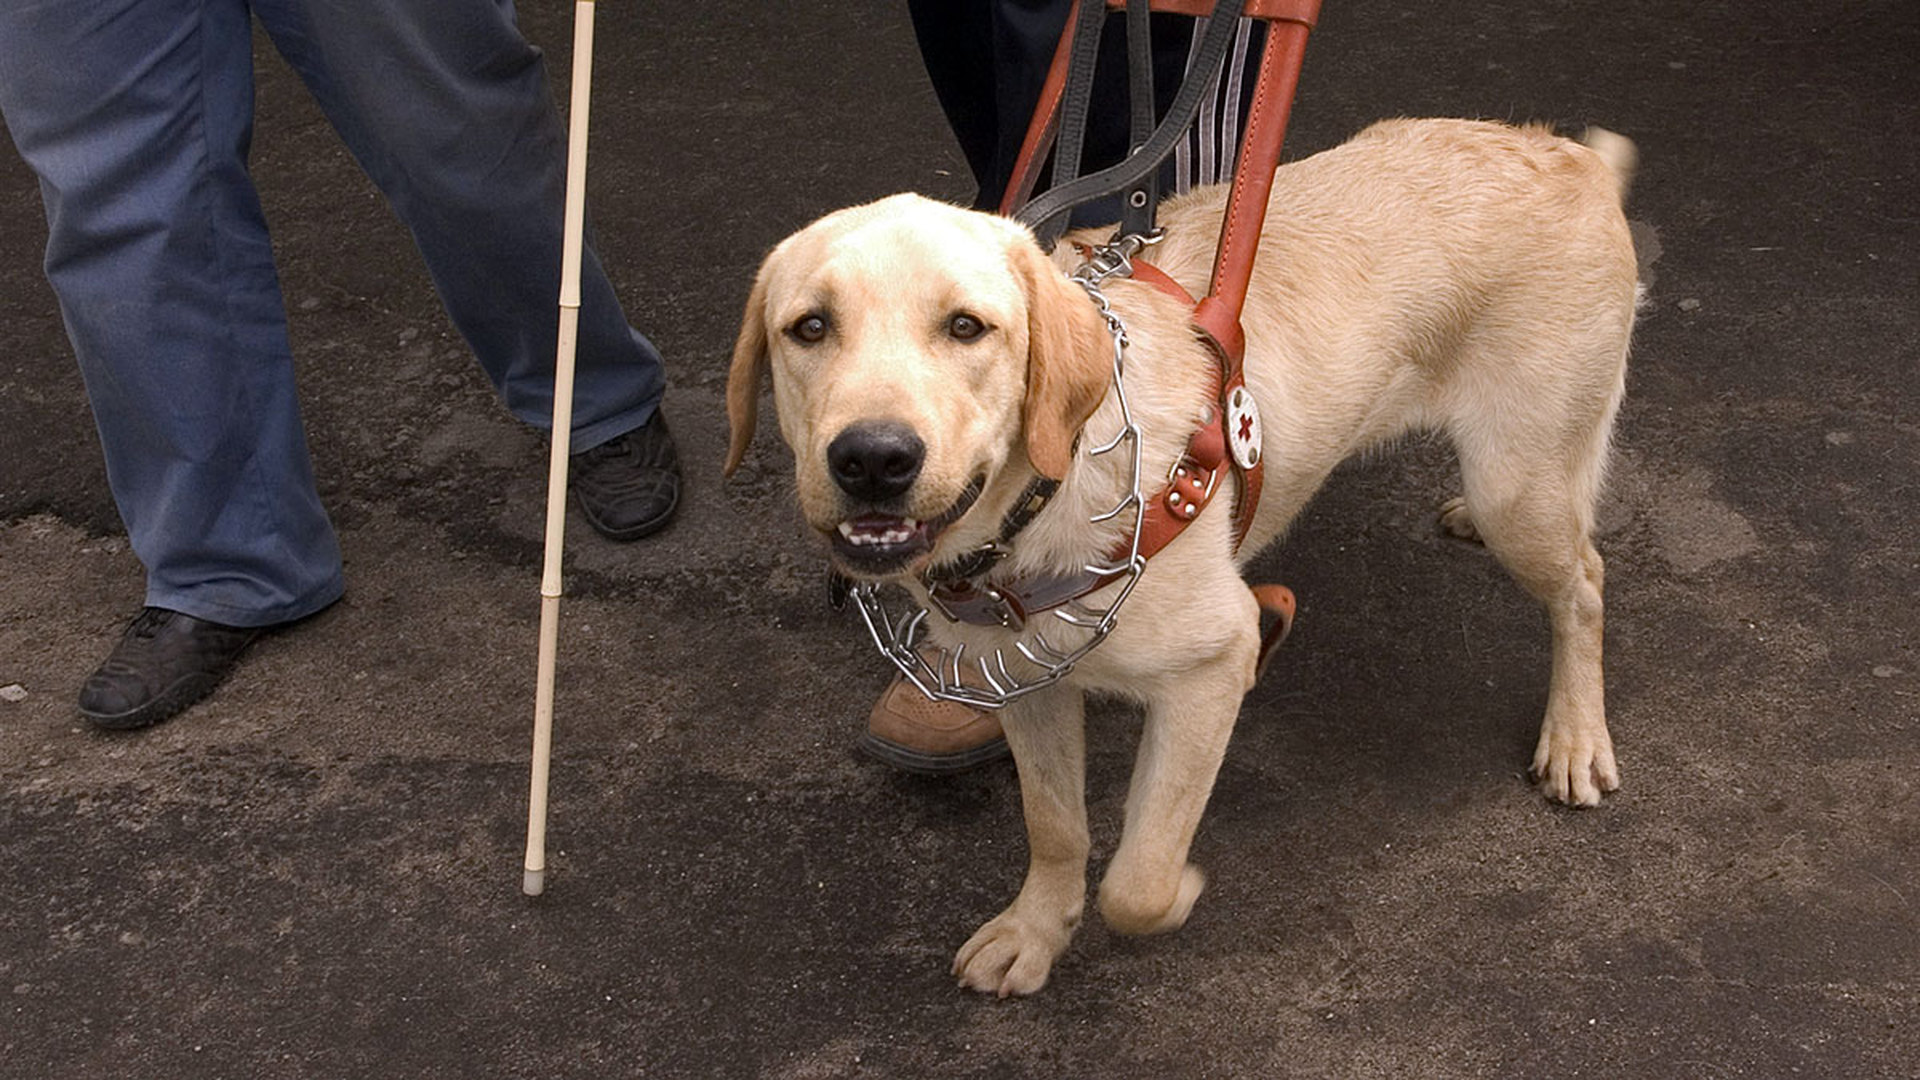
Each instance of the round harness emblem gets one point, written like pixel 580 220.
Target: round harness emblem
pixel 1243 428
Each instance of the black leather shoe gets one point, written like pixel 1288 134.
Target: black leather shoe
pixel 629 486
pixel 165 662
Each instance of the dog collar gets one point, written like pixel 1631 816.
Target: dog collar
pixel 988 555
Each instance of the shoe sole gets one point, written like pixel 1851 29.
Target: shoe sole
pixel 632 532
pixel 921 763
pixel 165 705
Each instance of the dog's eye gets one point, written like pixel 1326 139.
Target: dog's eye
pixel 810 328
pixel 964 327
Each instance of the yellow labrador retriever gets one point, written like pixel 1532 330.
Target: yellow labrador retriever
pixel 929 362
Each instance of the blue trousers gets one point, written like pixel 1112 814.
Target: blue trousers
pixel 136 117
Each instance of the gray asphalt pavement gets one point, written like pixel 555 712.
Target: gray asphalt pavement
pixel 316 874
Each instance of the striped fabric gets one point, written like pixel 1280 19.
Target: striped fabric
pixel 1206 155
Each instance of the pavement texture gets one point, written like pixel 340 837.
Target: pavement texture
pixel 316 872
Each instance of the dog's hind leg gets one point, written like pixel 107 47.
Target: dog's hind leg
pixel 1015 950
pixel 1533 508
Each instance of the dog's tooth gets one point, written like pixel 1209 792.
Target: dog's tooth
pixel 911 523
pixel 846 529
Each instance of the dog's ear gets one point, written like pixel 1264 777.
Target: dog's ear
pixel 746 373
pixel 1069 360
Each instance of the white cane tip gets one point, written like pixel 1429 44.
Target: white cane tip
pixel 534 882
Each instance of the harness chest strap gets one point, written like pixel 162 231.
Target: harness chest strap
pixel 1231 436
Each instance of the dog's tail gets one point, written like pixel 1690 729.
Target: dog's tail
pixel 1617 151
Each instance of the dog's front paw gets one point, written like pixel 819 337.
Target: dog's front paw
pixel 1138 903
pixel 1011 954
pixel 1574 763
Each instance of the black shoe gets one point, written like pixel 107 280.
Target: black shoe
pixel 165 662
pixel 629 486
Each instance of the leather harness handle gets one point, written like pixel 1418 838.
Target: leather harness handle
pixel 1300 11
pixel 1218 314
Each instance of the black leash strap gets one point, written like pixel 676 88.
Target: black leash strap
pixel 1077 103
pixel 1137 202
pixel 1046 214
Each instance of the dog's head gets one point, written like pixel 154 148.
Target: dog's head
pixel 923 357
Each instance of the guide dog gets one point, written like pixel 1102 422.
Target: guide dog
pixel 928 363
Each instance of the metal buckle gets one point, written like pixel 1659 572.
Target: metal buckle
pixel 1115 257
pixel 978 606
pixel 1003 610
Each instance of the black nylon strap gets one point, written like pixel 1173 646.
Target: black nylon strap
pixel 1138 200
pixel 1047 213
pixel 1077 103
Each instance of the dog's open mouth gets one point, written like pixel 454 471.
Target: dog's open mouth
pixel 881 544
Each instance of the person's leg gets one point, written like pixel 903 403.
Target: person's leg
pixel 956 44
pixel 136 116
pixel 446 106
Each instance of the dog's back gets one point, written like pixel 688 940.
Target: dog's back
pixel 1424 222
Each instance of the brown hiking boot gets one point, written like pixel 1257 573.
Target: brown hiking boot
pixel 915 734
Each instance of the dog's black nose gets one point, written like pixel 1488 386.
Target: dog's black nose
pixel 876 461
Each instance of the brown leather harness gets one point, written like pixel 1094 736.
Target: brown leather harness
pixel 1227 442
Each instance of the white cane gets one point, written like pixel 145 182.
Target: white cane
pixel 534 881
